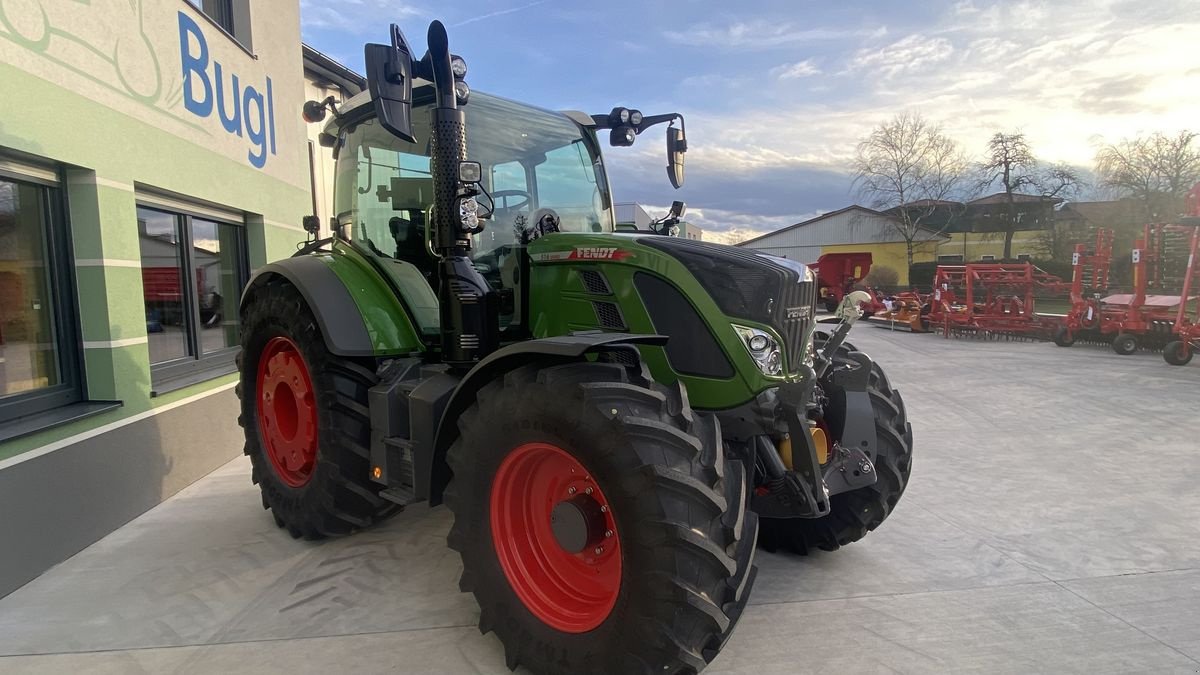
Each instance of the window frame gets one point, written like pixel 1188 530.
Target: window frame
pixel 240 28
pixel 65 320
pixel 198 366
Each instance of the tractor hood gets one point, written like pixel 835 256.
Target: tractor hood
pixel 743 287
pixel 762 288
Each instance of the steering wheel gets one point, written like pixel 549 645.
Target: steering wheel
pixel 501 199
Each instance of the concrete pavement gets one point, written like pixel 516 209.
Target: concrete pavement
pixel 1052 525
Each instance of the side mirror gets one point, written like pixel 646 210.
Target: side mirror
pixel 678 208
pixel 676 146
pixel 389 79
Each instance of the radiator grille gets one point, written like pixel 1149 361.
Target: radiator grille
pixel 594 282
pixel 609 315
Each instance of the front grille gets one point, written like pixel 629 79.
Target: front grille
pixel 794 329
pixel 745 284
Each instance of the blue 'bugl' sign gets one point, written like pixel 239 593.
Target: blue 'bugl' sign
pixel 247 113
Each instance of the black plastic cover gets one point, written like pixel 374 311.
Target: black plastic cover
pixel 692 349
pixel 747 284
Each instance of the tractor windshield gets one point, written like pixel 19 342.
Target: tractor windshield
pixel 532 159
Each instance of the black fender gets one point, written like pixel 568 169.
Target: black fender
pixel 337 314
pixel 563 348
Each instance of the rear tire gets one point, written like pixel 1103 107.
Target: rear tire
pixel 853 514
pixel 676 509
pixel 1177 353
pixel 1125 344
pixel 324 488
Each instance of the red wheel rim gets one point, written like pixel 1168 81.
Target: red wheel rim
pixel 287 411
pixel 573 592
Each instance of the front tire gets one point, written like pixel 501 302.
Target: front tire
pixel 647 559
pixel 1177 353
pixel 855 513
pixel 305 416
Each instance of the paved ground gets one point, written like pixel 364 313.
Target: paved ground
pixel 1052 525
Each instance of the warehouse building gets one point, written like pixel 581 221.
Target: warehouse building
pixel 151 156
pixel 634 215
pixel 852 229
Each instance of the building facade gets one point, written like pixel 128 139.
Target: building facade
pixel 151 156
pixel 849 230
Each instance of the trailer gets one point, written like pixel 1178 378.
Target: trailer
pixel 992 299
pixel 839 274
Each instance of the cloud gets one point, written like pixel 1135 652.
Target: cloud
pixel 356 17
pixel 793 71
pixel 762 34
pixel 729 190
pixel 1118 94
pixel 914 52
pixel 500 12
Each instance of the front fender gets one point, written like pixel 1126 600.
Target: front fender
pixel 563 348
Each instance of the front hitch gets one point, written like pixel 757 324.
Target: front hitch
pixel 804 491
pixel 801 492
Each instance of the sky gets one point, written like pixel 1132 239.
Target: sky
pixel 776 94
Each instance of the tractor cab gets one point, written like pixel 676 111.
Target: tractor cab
pixel 541 171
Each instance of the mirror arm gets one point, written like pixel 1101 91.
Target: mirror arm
pixel 650 120
pixel 602 121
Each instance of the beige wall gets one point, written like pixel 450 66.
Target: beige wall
pixel 133 56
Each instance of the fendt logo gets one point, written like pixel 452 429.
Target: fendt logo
pixel 598 253
pixel 792 313
pixel 240 110
pixel 584 253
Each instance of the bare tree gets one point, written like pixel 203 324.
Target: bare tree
pixel 1011 164
pixel 1156 170
pixel 907 164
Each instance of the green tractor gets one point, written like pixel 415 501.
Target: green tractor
pixel 614 419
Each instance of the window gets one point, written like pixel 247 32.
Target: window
pixel 1024 256
pixel 232 16
pixel 39 359
pixel 987 258
pixel 193 271
pixel 957 257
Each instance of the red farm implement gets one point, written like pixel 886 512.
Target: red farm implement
pixel 991 299
pixel 1089 280
pixel 840 273
pixel 907 311
pixel 1187 328
pixel 1147 317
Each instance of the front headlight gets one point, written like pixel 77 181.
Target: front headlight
pixel 763 349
